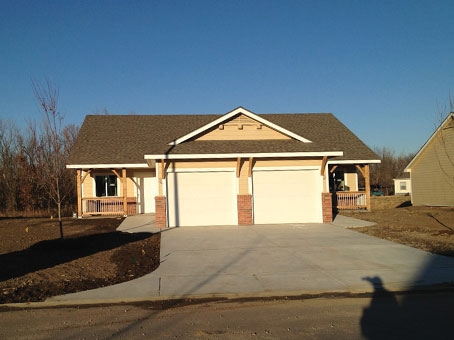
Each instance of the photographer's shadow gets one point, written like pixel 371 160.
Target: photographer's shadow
pixel 383 318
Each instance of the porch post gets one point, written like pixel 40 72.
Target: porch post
pixel 79 193
pixel 125 192
pixel 367 183
pixel 160 200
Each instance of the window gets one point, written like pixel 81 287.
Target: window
pixel 403 185
pixel 106 185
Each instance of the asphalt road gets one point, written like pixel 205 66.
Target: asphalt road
pixel 381 316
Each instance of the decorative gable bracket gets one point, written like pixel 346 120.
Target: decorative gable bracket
pixel 221 122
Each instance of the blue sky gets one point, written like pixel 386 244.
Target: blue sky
pixel 382 67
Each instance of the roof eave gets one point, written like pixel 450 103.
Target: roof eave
pixel 408 167
pixel 246 155
pixel 107 166
pixel 354 161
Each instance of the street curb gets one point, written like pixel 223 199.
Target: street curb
pixel 165 302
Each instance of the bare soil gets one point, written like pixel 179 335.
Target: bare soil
pixel 427 228
pixel 36 264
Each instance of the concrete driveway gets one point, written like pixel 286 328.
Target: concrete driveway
pixel 289 259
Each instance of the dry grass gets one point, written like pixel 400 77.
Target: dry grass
pixel 427 228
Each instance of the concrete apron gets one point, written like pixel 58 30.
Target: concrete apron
pixel 276 260
pixel 143 223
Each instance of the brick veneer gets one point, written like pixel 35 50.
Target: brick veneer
pixel 160 216
pixel 327 207
pixel 244 209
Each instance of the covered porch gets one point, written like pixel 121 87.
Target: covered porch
pixel 349 191
pixel 109 196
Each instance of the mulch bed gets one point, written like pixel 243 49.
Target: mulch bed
pixel 36 264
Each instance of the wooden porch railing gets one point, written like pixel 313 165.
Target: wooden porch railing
pixel 350 200
pixel 108 206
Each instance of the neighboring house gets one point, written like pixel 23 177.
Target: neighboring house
pixel 236 168
pixel 402 184
pixel 432 169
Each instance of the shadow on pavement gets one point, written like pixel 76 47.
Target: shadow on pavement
pixel 414 315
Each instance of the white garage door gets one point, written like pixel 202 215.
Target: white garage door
pixel 287 196
pixel 201 198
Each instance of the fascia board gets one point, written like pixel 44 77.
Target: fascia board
pixel 246 155
pixel 106 166
pixel 230 115
pixel 425 145
pixel 355 161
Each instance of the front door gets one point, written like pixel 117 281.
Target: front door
pixel 146 191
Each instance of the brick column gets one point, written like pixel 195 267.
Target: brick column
pixel 244 209
pixel 327 207
pixel 161 216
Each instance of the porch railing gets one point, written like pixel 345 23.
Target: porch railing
pixel 108 206
pixel 350 200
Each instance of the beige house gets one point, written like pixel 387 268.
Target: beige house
pixel 402 184
pixel 236 168
pixel 432 168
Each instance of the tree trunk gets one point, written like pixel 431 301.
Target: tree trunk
pixel 60 222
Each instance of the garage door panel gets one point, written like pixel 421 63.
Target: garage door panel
pixel 287 196
pixel 201 198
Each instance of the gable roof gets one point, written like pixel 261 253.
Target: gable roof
pixel 404 175
pixel 114 140
pixel 239 110
pixel 448 119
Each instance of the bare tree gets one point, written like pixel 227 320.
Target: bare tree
pixel 382 173
pixel 391 167
pixel 33 195
pixel 103 112
pixel 8 175
pixel 51 148
pixel 69 135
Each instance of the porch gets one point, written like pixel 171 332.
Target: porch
pixel 346 188
pixel 350 200
pixel 109 199
pixel 108 206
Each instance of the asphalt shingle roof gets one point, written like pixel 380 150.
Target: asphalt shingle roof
pixel 125 139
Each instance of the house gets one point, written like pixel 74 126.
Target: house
pixel 402 184
pixel 432 168
pixel 232 169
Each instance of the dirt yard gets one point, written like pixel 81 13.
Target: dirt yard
pixel 36 264
pixel 427 228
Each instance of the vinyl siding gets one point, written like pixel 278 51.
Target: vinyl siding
pixel 242 128
pixel 244 178
pixel 397 183
pixel 88 187
pixel 351 180
pixel 432 174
